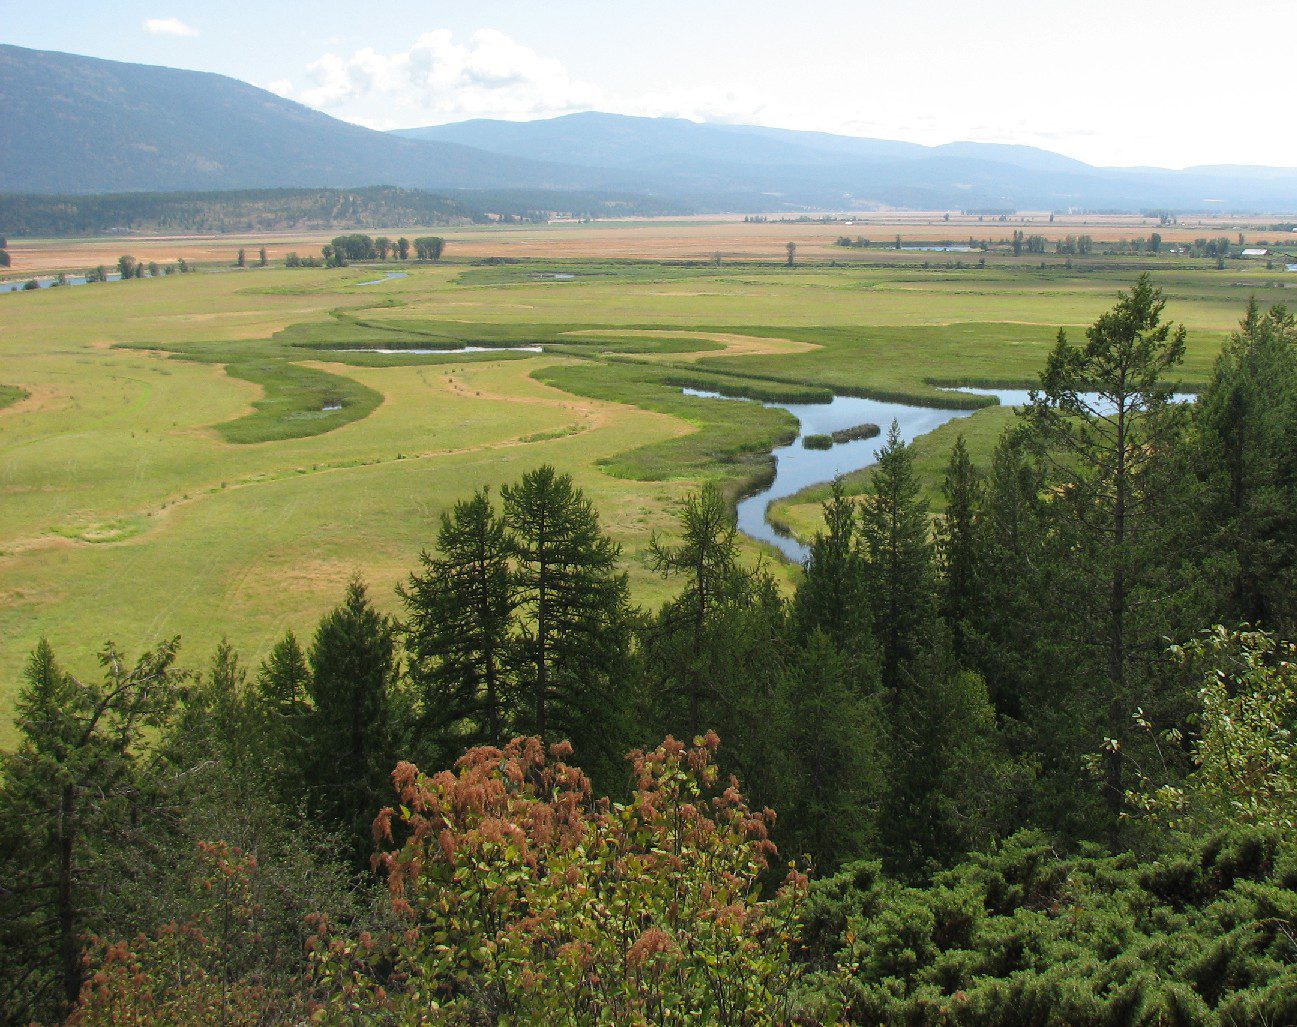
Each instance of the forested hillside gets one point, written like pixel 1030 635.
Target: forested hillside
pixel 1025 761
pixel 82 125
pixel 76 124
pixel 274 210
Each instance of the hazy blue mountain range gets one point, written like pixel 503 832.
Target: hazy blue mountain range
pixel 77 124
pixel 809 167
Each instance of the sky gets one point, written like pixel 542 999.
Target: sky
pixel 1168 83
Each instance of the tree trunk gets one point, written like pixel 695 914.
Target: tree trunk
pixel 69 956
pixel 1117 624
pixel 542 630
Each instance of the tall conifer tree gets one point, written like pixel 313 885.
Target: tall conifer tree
pixel 460 610
pixel 894 530
pixel 706 559
pixel 1103 416
pixel 346 732
pixel 959 546
pixel 574 614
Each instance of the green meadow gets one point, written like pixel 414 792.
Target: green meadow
pixel 215 454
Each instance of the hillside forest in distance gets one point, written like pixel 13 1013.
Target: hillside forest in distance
pixel 605 570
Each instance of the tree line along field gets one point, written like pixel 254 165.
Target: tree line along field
pixel 682 238
pixel 192 455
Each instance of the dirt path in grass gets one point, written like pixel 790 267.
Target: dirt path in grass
pixel 590 415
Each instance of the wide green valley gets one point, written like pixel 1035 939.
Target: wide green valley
pixel 674 515
pixel 173 467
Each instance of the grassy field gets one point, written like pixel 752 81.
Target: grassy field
pixel 682 238
pixel 195 455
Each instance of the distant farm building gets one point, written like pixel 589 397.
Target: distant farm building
pixel 1254 252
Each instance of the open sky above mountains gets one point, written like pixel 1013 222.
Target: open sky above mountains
pixel 1106 81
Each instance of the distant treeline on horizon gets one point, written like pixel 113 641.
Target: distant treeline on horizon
pixel 248 210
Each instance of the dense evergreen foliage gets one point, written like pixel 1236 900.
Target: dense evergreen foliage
pixel 1036 752
pixel 277 210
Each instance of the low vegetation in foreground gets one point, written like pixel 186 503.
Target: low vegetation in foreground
pixel 1032 758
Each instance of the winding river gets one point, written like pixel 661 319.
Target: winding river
pixel 797 467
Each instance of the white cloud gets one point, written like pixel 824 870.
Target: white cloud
pixel 169 27
pixel 441 79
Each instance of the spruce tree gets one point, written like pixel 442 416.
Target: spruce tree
pixel 1245 458
pixel 706 559
pixel 346 732
pixel 1104 418
pixel 950 783
pixel 832 757
pixel 70 798
pixel 898 554
pixel 959 546
pixel 833 595
pixel 573 601
pixel 459 618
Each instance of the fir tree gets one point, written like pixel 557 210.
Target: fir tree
pixel 894 531
pixel 1102 415
pixel 345 733
pixel 832 758
pixel 1004 632
pixel 460 613
pixel 950 782
pixel 959 546
pixel 1245 459
pixel 833 595
pixel 69 809
pixel 706 559
pixel 574 603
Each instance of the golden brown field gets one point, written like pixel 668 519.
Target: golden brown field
pixel 697 238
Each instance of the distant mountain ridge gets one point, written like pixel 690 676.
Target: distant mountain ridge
pixel 618 140
pixel 849 170
pixel 79 124
pixel 76 125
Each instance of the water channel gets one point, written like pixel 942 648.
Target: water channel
pixel 797 467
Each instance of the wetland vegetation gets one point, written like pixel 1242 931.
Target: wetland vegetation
pixel 1014 679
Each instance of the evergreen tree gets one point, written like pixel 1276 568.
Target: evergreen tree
pixel 898 554
pixel 1248 466
pixel 242 259
pixel 1004 635
pixel 833 595
pixel 403 248
pixel 706 558
pixel 832 758
pixel 574 601
pixel 460 612
pixel 1103 417
pixel 950 782
pixel 262 258
pixel 70 801
pixel 346 732
pixel 280 697
pixel 959 546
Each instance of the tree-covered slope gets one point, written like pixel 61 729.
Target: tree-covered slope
pixel 79 124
